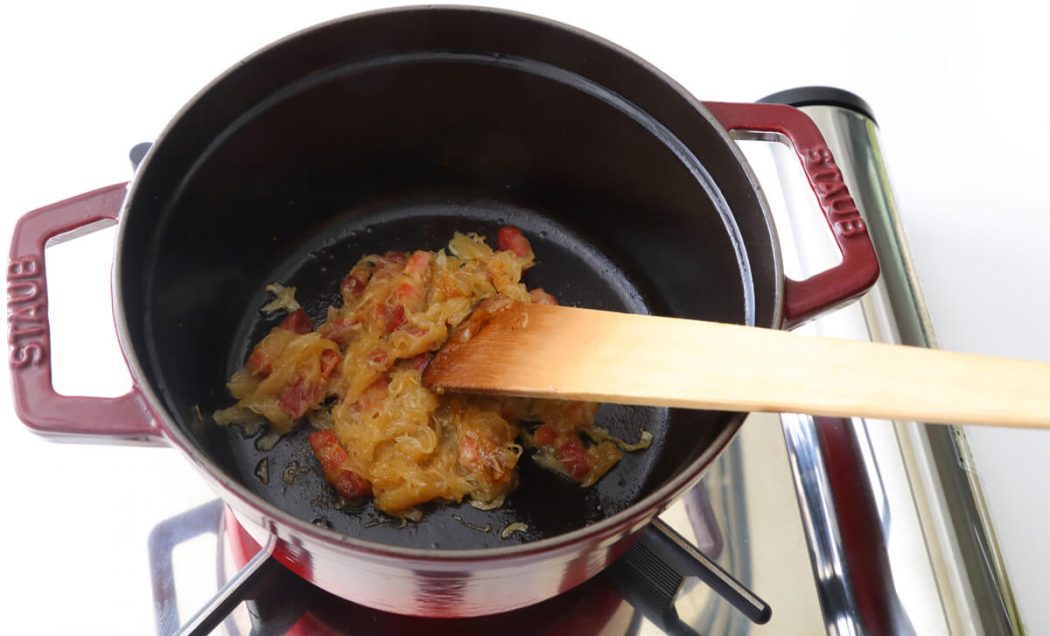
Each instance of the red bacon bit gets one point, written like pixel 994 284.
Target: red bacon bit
pixel 379 356
pixel 351 286
pixel 508 414
pixel 340 330
pixel 511 239
pixel 418 263
pixel 329 361
pixel 326 448
pixel 298 397
pixel 544 435
pixel 350 485
pixel 541 297
pixel 355 282
pixel 259 363
pixel 394 318
pixel 379 387
pixel 573 456
pixel 395 258
pixel 391 262
pixel 297 322
pixel 421 361
pixel 409 292
pixel 389 265
pixel 332 457
pixel 372 397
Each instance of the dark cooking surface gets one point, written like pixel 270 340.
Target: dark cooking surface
pixel 569 265
pixel 546 503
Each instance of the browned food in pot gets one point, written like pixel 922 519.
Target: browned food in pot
pixel 357 378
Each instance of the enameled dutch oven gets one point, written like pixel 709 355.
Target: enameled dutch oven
pixel 391 130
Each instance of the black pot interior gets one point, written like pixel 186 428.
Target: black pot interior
pixel 368 153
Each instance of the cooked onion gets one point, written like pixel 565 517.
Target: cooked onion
pixel 237 414
pixel 284 298
pixel 320 419
pixel 265 443
pixel 292 471
pixel 262 470
pixel 513 528
pixel 598 434
pixel 357 378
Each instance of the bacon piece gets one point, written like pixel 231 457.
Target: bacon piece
pixel 418 264
pixel 349 484
pixel 355 282
pixel 544 435
pixel 372 397
pixel 332 457
pixel 389 264
pixel 380 359
pixel 297 322
pixel 394 317
pixel 329 361
pixel 509 414
pixel 298 397
pixel 541 297
pixel 421 361
pixel 573 456
pixel 259 363
pixel 351 286
pixel 340 330
pixel 411 295
pixel 394 258
pixel 511 239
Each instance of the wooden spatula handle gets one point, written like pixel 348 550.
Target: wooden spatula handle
pixel 561 352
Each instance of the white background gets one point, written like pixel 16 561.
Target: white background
pixel 959 90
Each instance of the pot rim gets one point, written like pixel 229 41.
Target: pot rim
pixel 626 520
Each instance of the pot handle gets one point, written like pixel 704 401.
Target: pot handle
pixel 124 419
pixel 859 269
pixel 650 575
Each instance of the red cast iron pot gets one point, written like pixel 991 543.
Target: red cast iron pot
pixel 390 130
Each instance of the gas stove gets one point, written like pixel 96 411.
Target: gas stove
pixel 841 526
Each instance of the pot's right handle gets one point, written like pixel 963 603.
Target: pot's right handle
pixel 68 418
pixel 859 269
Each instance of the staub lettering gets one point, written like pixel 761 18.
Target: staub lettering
pixel 832 193
pixel 26 312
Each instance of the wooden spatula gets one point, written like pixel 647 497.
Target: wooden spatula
pixel 582 354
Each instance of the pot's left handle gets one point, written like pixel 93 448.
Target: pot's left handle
pixel 124 419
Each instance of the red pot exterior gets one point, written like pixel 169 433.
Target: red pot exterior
pixel 588 610
pixel 442 588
